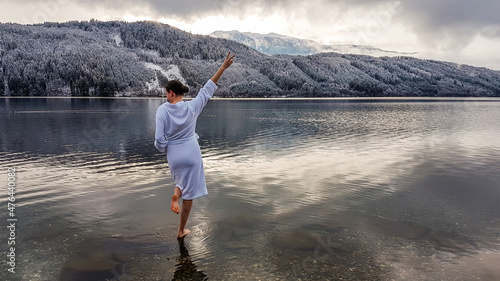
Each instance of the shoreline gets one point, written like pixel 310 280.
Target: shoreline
pixel 284 98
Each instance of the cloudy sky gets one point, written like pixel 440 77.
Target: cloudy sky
pixel 462 31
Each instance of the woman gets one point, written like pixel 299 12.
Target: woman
pixel 175 128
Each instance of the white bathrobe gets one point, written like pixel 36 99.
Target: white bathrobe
pixel 175 134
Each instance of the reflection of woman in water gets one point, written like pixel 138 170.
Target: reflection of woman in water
pixel 186 269
pixel 175 134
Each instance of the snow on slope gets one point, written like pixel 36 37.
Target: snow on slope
pixel 273 44
pixel 172 73
pixel 118 40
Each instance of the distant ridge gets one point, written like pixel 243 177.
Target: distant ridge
pixel 273 44
pixel 93 58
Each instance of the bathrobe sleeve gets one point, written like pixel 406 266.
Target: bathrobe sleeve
pixel 203 96
pixel 160 139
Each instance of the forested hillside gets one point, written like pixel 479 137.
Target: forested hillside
pixel 134 59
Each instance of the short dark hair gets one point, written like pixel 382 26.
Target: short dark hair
pixel 176 87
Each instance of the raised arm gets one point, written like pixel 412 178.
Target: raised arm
pixel 227 63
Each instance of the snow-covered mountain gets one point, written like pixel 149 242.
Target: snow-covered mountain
pixel 133 59
pixel 273 44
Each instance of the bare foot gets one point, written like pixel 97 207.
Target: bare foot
pixel 181 235
pixel 174 206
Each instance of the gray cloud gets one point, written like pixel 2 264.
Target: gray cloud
pixel 187 8
pixel 457 21
pixel 434 22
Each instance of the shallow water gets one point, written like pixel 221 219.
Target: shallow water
pixel 308 189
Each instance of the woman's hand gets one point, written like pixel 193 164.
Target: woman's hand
pixel 229 60
pixel 227 63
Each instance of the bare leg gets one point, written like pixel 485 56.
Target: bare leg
pixel 174 206
pixel 186 209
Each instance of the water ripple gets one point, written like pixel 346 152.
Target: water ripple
pixel 272 168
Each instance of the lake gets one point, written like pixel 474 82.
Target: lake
pixel 329 189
